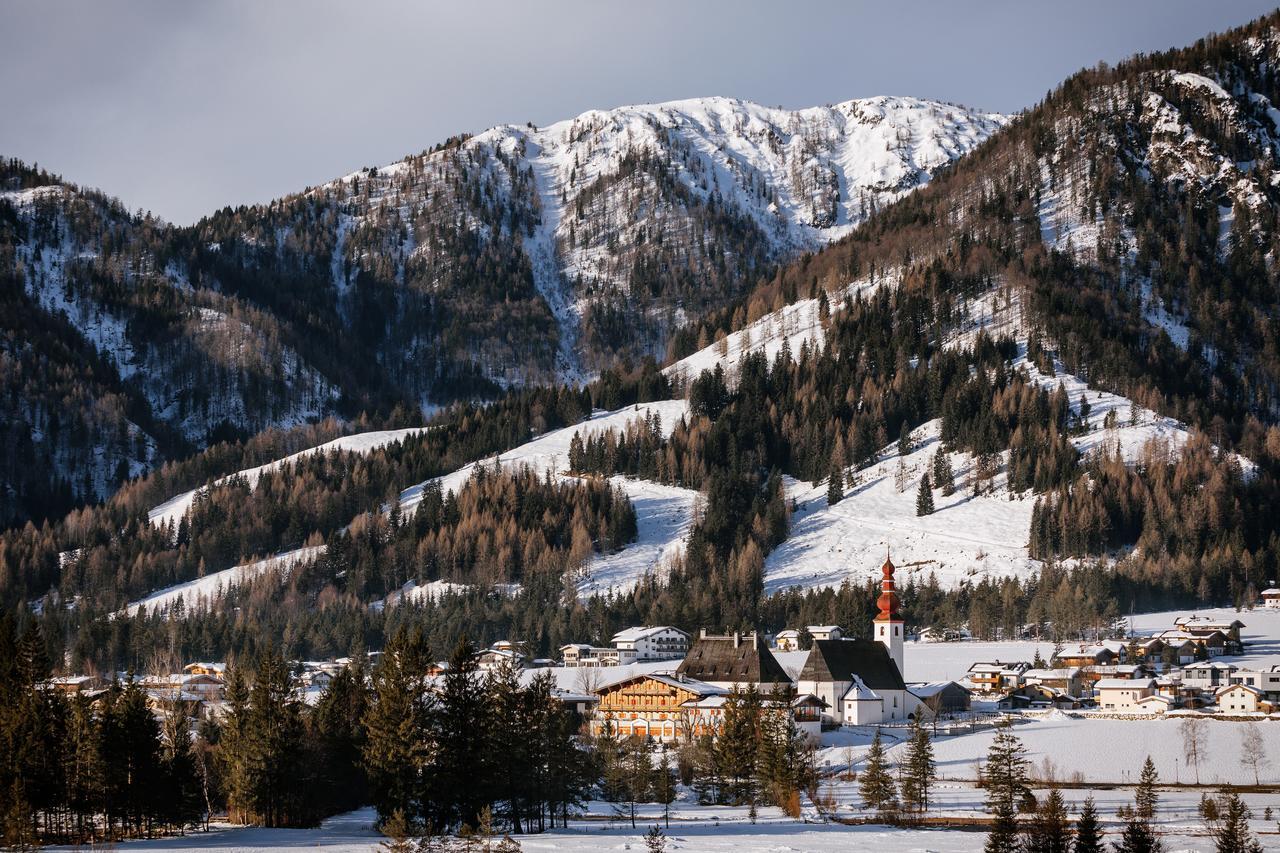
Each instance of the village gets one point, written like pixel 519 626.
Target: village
pixel 662 683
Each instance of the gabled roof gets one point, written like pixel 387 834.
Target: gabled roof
pixel 1227 688
pixel 723 660
pixel 849 660
pixel 1211 665
pixel 1062 672
pixel 697 688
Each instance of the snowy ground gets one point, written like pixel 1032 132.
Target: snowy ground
pixel 707 829
pixel 176 507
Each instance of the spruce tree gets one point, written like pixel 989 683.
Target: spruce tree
pixel 1005 771
pixel 943 476
pixel 397 729
pixel 924 497
pixel 1003 835
pixel 1050 830
pixel 461 777
pixel 875 783
pixel 1232 835
pixel 835 487
pixel 1088 830
pixel 737 749
pixel 920 769
pixel 1146 798
pixel 1138 837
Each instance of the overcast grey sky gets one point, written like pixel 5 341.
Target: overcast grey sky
pixel 182 107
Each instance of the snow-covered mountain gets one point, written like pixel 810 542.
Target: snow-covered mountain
pixel 519 255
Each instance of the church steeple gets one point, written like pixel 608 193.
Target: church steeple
pixel 888 622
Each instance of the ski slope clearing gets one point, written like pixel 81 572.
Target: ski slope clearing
pixel 794 325
pixel 202 592
pixel 550 451
pixel 173 510
pixel 965 538
pixel 664 517
pixel 664 514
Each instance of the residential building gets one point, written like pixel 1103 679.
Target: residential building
pixel 996 676
pixel 1265 680
pixel 787 641
pixel 1208 675
pixel 656 643
pixel 581 654
pixel 1271 598
pixel 826 632
pixel 943 697
pixel 657 706
pixel 1037 696
pixel 1069 680
pixel 1240 699
pixel 1123 694
pixel 1088 656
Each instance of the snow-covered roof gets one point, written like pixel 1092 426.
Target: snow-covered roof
pixel 1227 688
pixel 1123 683
pixel 1272 592
pixel 631 635
pixel 1210 666
pixel 860 692
pixel 1052 674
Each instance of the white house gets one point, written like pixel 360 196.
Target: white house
pixel 1123 694
pixel 1271 598
pixel 581 654
pixel 1208 674
pixel 655 643
pixel 826 632
pixel 1266 680
pixel 787 641
pixel 1239 699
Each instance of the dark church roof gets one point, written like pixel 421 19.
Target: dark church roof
pixel 840 660
pixel 733 659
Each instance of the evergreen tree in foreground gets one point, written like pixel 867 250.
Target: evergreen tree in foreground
pixel 1050 830
pixel 876 782
pixel 1232 835
pixel 1146 799
pixel 1088 832
pixel 1138 837
pixel 919 768
pixel 835 487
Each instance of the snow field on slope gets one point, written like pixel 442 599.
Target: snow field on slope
pixel 205 591
pixel 664 514
pixel 173 510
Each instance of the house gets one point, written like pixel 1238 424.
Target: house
pixel 826 632
pixel 1271 598
pixel 209 686
pixel 492 659
pixel 787 641
pixel 582 704
pixel 1088 656
pixel 1240 699
pixel 581 654
pixel 657 706
pixel 733 660
pixel 1208 675
pixel 1123 694
pixel 657 643
pixel 1204 626
pixel 216 669
pixel 1069 680
pixel 806 710
pixel 1265 680
pixel 995 677
pixel 73 684
pixel 1178 651
pixel 943 697
pixel 1036 696
pixel 1156 703
pixel 1213 642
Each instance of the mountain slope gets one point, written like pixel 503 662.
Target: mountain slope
pixel 517 256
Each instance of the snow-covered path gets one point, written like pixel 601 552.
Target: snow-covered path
pixel 202 592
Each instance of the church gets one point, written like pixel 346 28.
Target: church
pixel 861 681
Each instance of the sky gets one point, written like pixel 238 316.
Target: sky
pixel 181 108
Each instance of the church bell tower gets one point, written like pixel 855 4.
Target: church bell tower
pixel 887 626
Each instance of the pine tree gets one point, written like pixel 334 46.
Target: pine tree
pixel 835 487
pixel 875 783
pixel 943 476
pixel 738 747
pixel 397 726
pixel 461 776
pixel 904 440
pixel 1005 771
pixel 1050 830
pixel 1088 831
pixel 920 769
pixel 1138 837
pixel 1146 798
pixel 1232 835
pixel 924 497
pixel 1003 835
